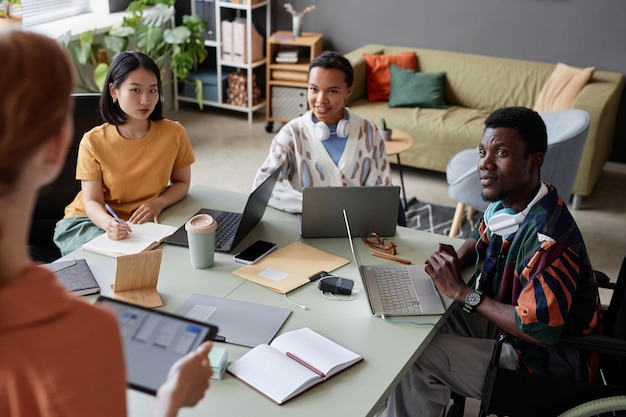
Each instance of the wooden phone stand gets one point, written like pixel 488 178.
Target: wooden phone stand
pixel 136 278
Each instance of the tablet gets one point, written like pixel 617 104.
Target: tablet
pixel 153 340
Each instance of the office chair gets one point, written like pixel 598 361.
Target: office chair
pixel 519 394
pixel 53 198
pixel 567 133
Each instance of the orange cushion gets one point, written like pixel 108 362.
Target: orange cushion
pixel 378 76
pixel 562 88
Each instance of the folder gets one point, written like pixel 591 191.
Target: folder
pixel 290 267
pixel 227 40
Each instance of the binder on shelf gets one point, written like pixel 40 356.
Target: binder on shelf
pixel 234 42
pixel 227 40
pixel 206 10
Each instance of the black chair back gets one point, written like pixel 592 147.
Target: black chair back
pixel 54 197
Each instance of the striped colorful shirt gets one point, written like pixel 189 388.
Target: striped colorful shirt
pixel 544 271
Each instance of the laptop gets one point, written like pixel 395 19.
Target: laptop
pixel 397 290
pixel 232 227
pixel 371 208
pixel 154 340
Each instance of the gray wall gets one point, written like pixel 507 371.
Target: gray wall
pixel 576 32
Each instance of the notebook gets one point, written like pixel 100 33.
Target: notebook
pixel 75 275
pixel 153 341
pixel 232 227
pixel 372 209
pixel 396 290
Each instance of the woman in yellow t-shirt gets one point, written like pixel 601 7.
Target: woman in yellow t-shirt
pixel 137 162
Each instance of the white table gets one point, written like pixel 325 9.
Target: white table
pixel 389 349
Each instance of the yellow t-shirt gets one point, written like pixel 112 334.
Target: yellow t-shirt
pixel 132 171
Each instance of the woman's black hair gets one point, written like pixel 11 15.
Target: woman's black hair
pixel 123 64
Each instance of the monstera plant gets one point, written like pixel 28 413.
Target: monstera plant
pixel 149 28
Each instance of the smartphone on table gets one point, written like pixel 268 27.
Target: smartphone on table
pixel 255 252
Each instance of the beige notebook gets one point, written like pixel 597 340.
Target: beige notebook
pixel 289 267
pixel 144 237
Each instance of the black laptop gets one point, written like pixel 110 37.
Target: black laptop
pixel 232 227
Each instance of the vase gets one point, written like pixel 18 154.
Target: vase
pixel 296 22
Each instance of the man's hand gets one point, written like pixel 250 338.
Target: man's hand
pixel 443 268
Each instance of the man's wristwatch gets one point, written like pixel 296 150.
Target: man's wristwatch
pixel 472 301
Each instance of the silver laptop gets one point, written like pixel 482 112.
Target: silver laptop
pixel 232 226
pixel 371 208
pixel 397 290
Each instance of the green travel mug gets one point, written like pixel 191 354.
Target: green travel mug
pixel 201 237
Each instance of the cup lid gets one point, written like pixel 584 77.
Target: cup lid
pixel 201 223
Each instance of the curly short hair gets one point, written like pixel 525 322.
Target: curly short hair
pixel 334 60
pixel 526 122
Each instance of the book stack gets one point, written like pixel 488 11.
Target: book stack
pixel 287 55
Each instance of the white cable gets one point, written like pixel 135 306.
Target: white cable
pixel 294 303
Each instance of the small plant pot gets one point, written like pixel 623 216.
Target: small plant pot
pixel 386 134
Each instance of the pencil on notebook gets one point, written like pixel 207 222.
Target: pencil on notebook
pixel 393 258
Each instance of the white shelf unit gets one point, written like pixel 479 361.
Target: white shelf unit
pixel 222 66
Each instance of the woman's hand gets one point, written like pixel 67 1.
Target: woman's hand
pixel 146 212
pixel 116 231
pixel 186 382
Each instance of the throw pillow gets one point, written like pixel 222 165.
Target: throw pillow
pixel 378 77
pixel 417 89
pixel 562 88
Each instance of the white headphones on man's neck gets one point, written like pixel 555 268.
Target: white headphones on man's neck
pixel 322 131
pixel 504 221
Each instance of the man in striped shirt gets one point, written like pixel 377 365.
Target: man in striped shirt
pixel 536 282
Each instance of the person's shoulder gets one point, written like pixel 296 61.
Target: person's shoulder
pixel 357 118
pixel 98 131
pixel 95 314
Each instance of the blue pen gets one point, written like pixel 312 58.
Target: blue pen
pixel 117 218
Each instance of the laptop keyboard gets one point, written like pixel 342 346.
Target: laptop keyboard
pixel 227 224
pixel 396 290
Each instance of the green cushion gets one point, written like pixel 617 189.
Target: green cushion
pixel 417 89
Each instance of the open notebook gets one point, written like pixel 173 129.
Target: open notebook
pixel 144 237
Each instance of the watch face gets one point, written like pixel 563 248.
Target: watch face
pixel 472 299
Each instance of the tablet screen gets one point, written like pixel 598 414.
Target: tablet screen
pixel 153 340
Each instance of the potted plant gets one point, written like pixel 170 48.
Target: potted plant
pixel 384 131
pixel 144 29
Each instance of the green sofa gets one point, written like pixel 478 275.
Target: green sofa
pixel 475 86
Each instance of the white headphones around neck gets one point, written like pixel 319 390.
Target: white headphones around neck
pixel 503 221
pixel 322 131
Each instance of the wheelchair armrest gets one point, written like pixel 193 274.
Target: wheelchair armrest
pixel 603 280
pixel 595 343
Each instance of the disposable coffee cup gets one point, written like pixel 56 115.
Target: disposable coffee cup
pixel 201 237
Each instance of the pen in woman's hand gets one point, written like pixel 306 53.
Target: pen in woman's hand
pixel 116 217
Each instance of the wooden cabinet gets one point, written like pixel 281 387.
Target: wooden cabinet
pixel 234 52
pixel 287 82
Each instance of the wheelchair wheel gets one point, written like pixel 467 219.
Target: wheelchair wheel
pixel 600 407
